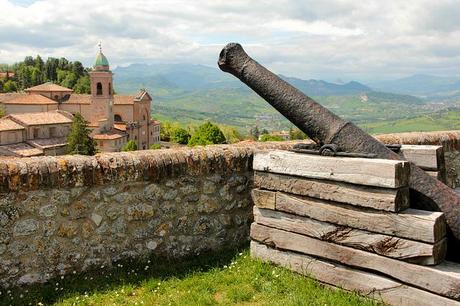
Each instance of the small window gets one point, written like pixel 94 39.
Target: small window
pixel 56 97
pixel 36 132
pixel 135 137
pixel 117 118
pixel 110 89
pixel 99 89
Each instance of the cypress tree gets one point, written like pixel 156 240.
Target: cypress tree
pixel 79 140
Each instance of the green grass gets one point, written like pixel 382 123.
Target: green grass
pixel 229 278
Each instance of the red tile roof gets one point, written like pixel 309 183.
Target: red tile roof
pixel 109 136
pixel 78 99
pixel 11 95
pixel 41 118
pixel 120 126
pixel 123 99
pixel 86 99
pixel 48 87
pixel 6 124
pixel 23 149
pixel 30 99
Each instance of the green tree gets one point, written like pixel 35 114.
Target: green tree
pixel 206 134
pixel 129 146
pixel 231 134
pixel 83 85
pixel 155 146
pixel 10 86
pixel 2 111
pixel 296 133
pixel 167 129
pixel 268 137
pixel 79 140
pixel 180 135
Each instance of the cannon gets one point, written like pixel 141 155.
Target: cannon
pixel 326 128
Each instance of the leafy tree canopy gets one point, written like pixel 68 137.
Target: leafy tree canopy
pixel 180 135
pixel 206 134
pixel 129 146
pixel 35 71
pixel 155 146
pixel 296 133
pixel 79 140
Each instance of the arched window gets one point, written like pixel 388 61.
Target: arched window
pixel 110 89
pixel 117 118
pixel 56 97
pixel 99 89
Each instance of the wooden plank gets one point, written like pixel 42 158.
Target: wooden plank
pixel 263 199
pixel 361 171
pixel 390 246
pixel 425 156
pixel 370 285
pixel 365 196
pixel 413 224
pixel 443 279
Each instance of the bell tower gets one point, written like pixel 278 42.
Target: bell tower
pixel 102 91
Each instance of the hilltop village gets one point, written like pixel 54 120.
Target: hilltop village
pixel 38 120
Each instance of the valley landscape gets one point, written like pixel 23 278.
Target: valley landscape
pixel 191 94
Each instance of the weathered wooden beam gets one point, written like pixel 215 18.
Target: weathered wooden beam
pixel 263 198
pixel 390 246
pixel 424 156
pixel 362 171
pixel 366 196
pixel 370 285
pixel 419 225
pixel 443 279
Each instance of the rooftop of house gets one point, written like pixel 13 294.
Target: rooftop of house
pixel 4 97
pixel 23 149
pixel 48 87
pixel 30 99
pixel 47 143
pixel 117 99
pixel 6 124
pixel 114 134
pixel 40 118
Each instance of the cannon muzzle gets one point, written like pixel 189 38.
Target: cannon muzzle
pixel 324 127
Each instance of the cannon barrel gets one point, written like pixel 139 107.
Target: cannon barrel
pixel 324 127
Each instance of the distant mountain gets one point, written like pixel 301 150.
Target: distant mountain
pixel 174 78
pixel 194 93
pixel 319 88
pixel 421 85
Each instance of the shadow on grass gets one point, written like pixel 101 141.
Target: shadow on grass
pixel 102 279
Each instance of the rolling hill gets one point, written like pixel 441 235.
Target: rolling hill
pixel 194 93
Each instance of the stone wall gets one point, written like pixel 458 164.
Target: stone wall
pixel 68 213
pixel 64 214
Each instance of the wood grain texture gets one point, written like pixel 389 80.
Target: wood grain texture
pixel 389 246
pixel 263 198
pixel 425 156
pixel 413 224
pixel 443 279
pixel 370 285
pixel 361 171
pixel 378 198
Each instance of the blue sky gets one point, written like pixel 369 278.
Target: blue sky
pixel 332 39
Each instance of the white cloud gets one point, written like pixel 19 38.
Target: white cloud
pixel 310 39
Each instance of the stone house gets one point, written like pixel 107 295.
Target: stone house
pixel 113 119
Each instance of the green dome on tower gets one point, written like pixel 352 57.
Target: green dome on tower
pixel 101 61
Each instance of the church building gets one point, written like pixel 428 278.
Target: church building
pixel 113 119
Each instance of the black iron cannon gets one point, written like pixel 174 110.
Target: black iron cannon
pixel 326 128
